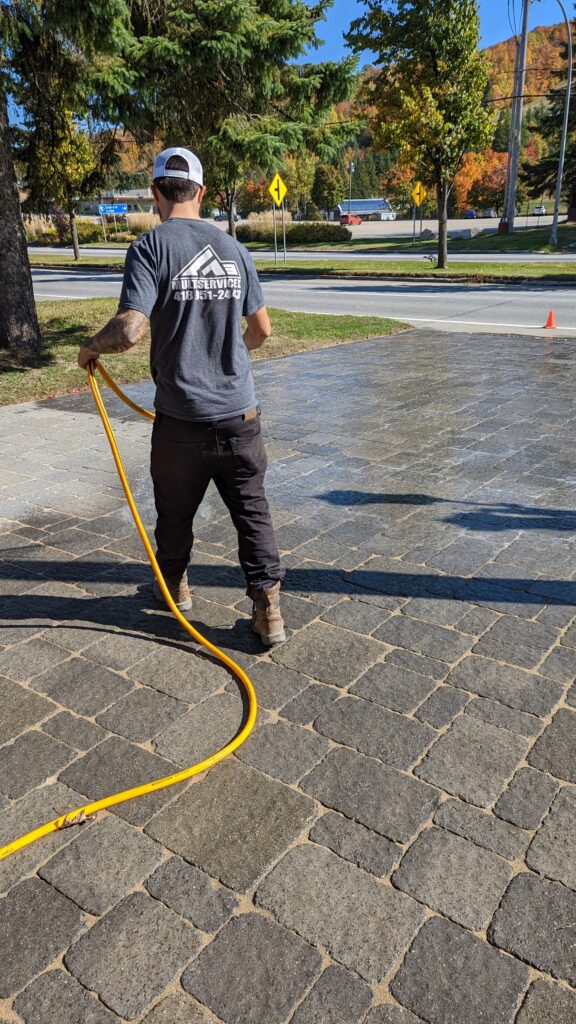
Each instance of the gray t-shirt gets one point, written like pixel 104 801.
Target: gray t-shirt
pixel 195 283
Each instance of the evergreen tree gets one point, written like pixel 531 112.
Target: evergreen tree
pixel 540 177
pixel 428 96
pixel 58 58
pixel 224 81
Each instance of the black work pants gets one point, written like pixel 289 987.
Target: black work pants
pixel 186 456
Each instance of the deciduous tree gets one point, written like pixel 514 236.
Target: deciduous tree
pixel 429 92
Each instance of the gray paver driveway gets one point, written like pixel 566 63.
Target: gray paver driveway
pixel 396 841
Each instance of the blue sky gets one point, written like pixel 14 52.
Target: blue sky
pixel 494 16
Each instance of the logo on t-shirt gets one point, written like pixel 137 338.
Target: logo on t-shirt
pixel 206 276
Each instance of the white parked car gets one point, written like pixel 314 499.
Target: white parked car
pixel 539 211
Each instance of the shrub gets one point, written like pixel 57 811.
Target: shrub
pixel 140 223
pixel 61 224
pixel 296 234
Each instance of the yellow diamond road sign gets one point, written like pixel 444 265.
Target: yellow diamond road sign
pixel 419 194
pixel 277 189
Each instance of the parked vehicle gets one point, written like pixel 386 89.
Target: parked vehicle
pixel 489 214
pixel 222 215
pixel 539 211
pixel 350 218
pixel 470 215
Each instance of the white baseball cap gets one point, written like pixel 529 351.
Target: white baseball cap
pixel 194 172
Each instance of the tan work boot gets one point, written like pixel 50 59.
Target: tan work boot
pixel 179 591
pixel 266 618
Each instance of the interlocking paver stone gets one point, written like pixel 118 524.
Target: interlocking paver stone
pixel 451 976
pixel 442 706
pixel 115 765
pixel 202 731
pixel 391 1015
pixel 178 1009
pixel 82 686
pixel 363 924
pixel 375 731
pixel 77 732
pixel 130 955
pixel 191 893
pixel 453 876
pixel 252 946
pixel 181 674
pixel 372 793
pixel 41 924
pixel 505 718
pixel 553 850
pixel 527 799
pixel 337 998
pixel 29 659
pixel 418 663
pixel 424 638
pixel 394 687
pixel 328 653
pixel 483 829
pixel 548 1004
pixel 102 865
pixel 20 708
pixel 456 466
pixel 473 760
pixel 56 996
pixel 142 714
pixel 284 751
pixel 276 686
pixel 555 750
pixel 512 686
pixel 30 760
pixel 233 824
pixel 310 702
pixel 536 922
pixel 355 843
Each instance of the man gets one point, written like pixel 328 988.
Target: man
pixel 194 283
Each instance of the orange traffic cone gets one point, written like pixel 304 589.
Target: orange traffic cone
pixel 551 321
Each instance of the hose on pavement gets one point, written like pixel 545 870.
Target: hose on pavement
pixel 86 811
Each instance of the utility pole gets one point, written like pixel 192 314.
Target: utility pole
pixel 557 200
pixel 507 223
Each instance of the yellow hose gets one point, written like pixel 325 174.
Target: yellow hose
pixel 81 813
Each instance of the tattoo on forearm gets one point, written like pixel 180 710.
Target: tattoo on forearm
pixel 122 332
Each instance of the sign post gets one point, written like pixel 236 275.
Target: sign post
pixel 110 210
pixel 418 195
pixel 278 190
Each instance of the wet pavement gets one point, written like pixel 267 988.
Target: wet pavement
pixel 395 843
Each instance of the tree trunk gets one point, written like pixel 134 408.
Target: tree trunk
pixel 442 197
pixel 19 330
pixel 74 233
pixel 231 200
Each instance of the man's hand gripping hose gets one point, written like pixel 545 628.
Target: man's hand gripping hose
pixel 80 814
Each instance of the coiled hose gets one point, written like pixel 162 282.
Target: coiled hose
pixel 80 814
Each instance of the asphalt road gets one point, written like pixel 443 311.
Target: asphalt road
pixel 494 308
pixel 296 254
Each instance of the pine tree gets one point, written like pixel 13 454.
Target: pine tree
pixel 223 80
pixel 58 59
pixel 541 176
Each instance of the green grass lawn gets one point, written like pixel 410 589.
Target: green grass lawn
pixel 361 268
pixel 422 267
pixel 66 325
pixel 531 239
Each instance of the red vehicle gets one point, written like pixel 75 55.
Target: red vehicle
pixel 350 218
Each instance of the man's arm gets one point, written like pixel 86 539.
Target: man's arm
pixel 122 332
pixel 258 330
